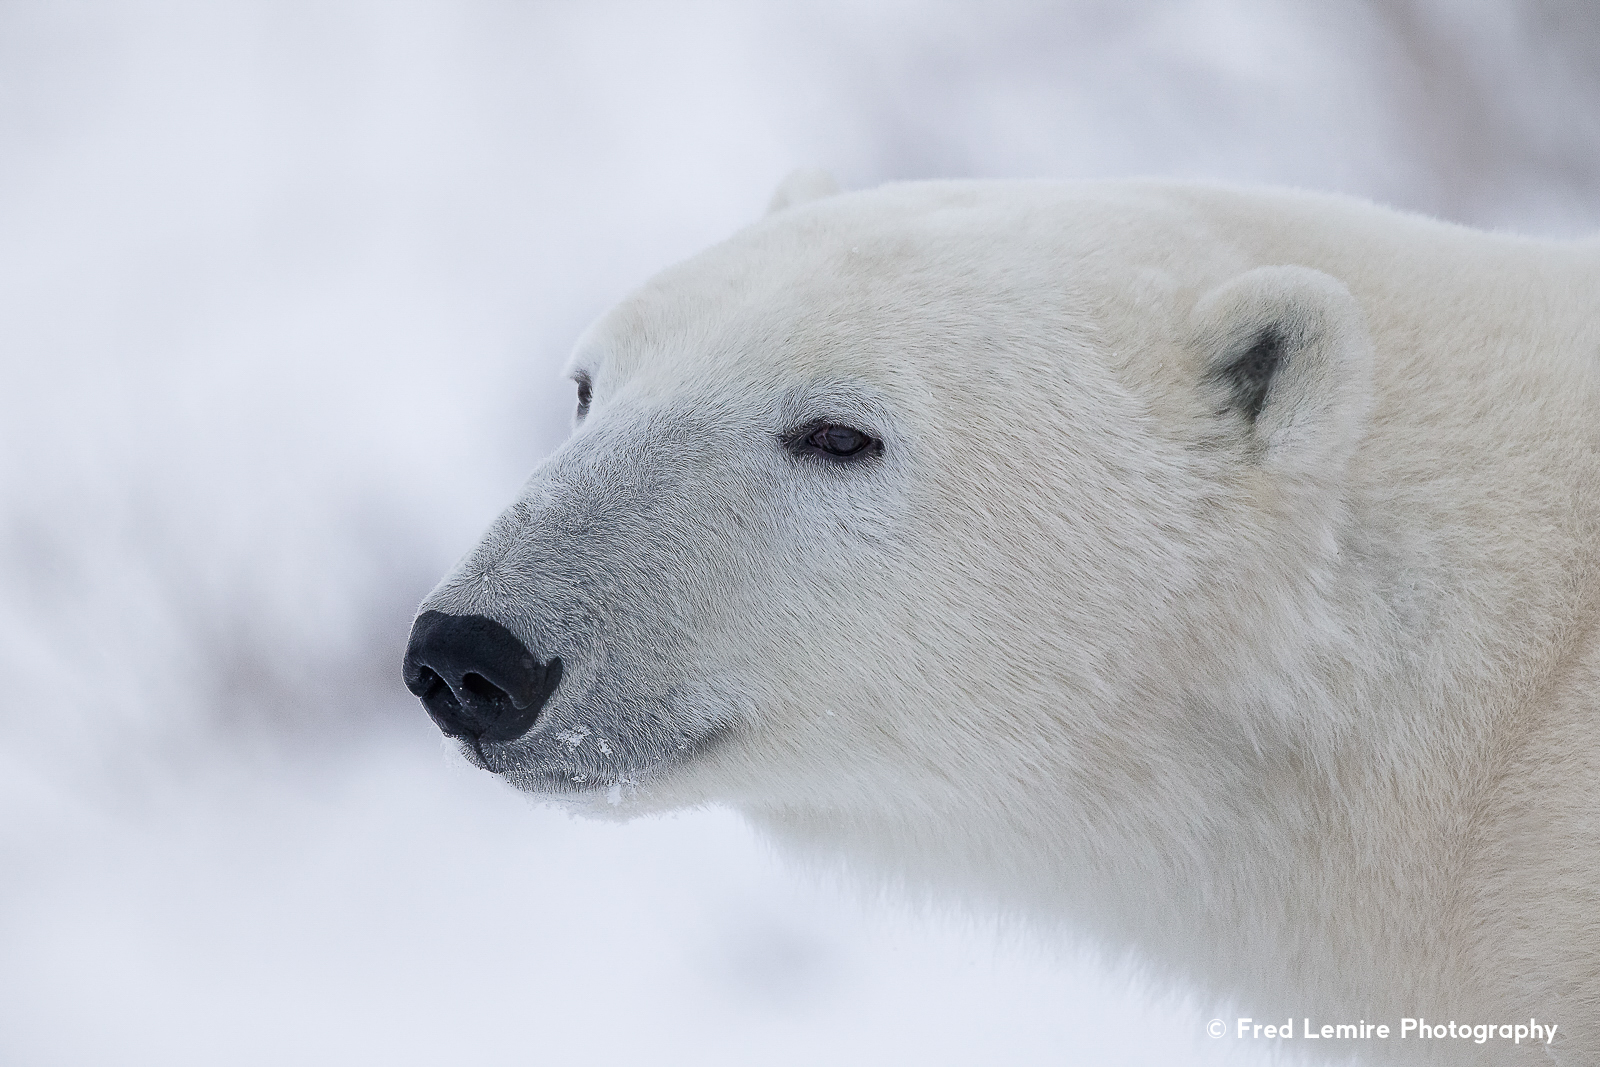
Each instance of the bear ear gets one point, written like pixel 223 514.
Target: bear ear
pixel 1287 352
pixel 807 183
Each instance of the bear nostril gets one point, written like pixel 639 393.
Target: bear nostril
pixel 475 678
pixel 481 688
pixel 441 704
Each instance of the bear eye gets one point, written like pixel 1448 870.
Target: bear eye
pixel 834 441
pixel 585 394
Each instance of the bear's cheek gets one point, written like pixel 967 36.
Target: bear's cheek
pixel 693 590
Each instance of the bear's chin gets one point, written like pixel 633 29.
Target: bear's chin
pixel 617 798
pixel 571 768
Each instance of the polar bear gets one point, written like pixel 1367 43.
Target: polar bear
pixel 1210 573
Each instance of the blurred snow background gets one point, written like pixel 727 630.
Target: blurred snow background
pixel 284 288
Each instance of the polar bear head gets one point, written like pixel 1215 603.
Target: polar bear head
pixel 930 498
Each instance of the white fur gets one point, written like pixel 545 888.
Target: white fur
pixel 1299 713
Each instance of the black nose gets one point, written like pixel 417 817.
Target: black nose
pixel 475 678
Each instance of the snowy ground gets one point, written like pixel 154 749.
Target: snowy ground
pixel 283 291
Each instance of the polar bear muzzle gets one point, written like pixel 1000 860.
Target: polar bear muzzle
pixel 476 679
